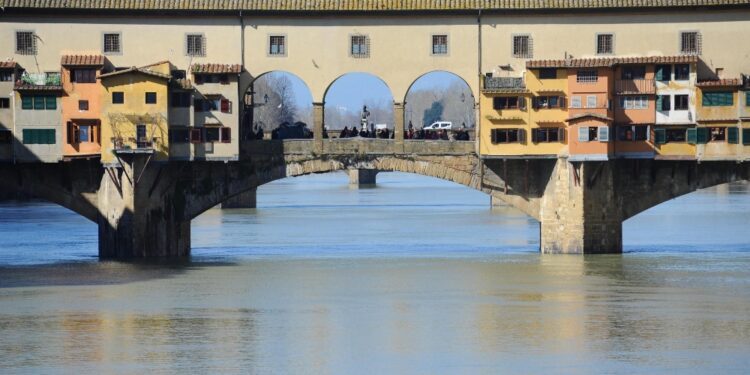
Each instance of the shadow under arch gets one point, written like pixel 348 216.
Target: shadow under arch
pixel 440 95
pixel 439 71
pixel 255 106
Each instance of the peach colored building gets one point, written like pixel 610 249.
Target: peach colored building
pixel 590 88
pixel 635 108
pixel 81 105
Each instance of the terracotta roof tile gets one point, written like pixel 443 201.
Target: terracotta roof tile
pixel 217 68
pixel 82 60
pixel 361 5
pixel 8 64
pixel 135 70
pixel 603 62
pixel 727 82
pixel 588 114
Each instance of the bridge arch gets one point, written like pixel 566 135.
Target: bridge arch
pixel 274 97
pixel 440 91
pixel 347 95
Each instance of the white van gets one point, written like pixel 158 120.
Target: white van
pixel 439 125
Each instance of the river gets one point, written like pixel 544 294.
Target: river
pixel 416 276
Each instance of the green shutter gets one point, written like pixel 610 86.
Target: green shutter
pixel 702 135
pixel 692 136
pixel 27 136
pixel 660 72
pixel 660 136
pixel 746 137
pixel 747 99
pixel 733 135
pixel 38 102
pixel 50 102
pixel 659 102
pixel 27 102
pixel 718 99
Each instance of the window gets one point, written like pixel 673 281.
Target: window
pixel 508 136
pixel 226 135
pixel 676 135
pixel 83 105
pixel 83 75
pixel 681 103
pixel 181 99
pixel 604 44
pixel 717 134
pixel 212 134
pixel 718 99
pixel 593 133
pixel 690 43
pixel 548 135
pixel 360 46
pixel 746 136
pixel 634 102
pixel 632 133
pixel 178 74
pixel 590 101
pixel 587 76
pixel 4 102
pixel 150 98
pixel 6 76
pixel 634 72
pixel 196 135
pixel 112 43
pixel 179 135
pixel 522 46
pixel 25 43
pixel 575 101
pixel 118 97
pixel 196 45
pixel 505 102
pixel 548 73
pixel 84 133
pixel 39 136
pixel 440 44
pixel 546 102
pixel 277 45
pixel 663 103
pixel 39 102
pixel 225 105
pixel 207 105
pixel 681 72
pixel 6 137
pixel 747 99
pixel 664 73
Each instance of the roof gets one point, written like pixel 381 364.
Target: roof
pixel 82 60
pixel 588 114
pixel 217 68
pixel 605 62
pixel 727 82
pixel 360 5
pixel 8 64
pixel 136 70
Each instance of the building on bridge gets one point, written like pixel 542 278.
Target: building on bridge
pixel 81 105
pixel 9 73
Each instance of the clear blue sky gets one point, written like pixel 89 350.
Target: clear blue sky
pixel 354 89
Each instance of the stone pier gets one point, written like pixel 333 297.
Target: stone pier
pixel 362 178
pixel 242 200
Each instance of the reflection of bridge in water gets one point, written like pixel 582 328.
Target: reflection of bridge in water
pixel 144 208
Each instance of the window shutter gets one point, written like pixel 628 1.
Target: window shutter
pixel 702 135
pixel 493 135
pixel 27 102
pixel 521 136
pixel 522 103
pixel 225 105
pixel 692 136
pixel 746 137
pixel 561 101
pixel 38 102
pixel 535 135
pixel 561 135
pixel 226 135
pixel 733 135
pixel 583 134
pixel 26 136
pixel 591 101
pixel 71 133
pixel 196 135
pixel 51 137
pixel 660 136
pixel 603 133
pixel 660 72
pixel 535 102
pixel 659 102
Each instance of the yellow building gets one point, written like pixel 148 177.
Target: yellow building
pixel 717 135
pixel 549 110
pixel 135 111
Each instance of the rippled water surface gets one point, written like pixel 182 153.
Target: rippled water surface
pixel 416 276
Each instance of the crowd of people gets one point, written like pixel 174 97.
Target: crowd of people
pixel 366 133
pixel 300 131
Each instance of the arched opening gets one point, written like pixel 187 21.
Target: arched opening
pixel 357 99
pixel 439 104
pixel 278 105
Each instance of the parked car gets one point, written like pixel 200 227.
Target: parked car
pixel 439 125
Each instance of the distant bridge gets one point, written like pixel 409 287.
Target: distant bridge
pixel 144 208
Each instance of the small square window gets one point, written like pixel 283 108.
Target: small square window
pixel 522 46
pixel 440 44
pixel 112 43
pixel 83 105
pixel 360 46
pixel 548 73
pixel 4 102
pixel 690 43
pixel 605 44
pixel 196 45
pixel 83 76
pixel 118 97
pixel 150 98
pixel 681 102
pixel 277 45
pixel 587 76
pixel 25 43
pixel 6 76
pixel 681 72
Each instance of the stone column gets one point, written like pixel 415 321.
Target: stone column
pixel 137 220
pixel 359 178
pixel 497 202
pixel 245 199
pixel 398 126
pixel 579 212
pixel 318 124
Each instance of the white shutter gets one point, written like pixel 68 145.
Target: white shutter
pixel 575 101
pixel 591 101
pixel 604 134
pixel 583 134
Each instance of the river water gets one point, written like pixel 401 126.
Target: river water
pixel 416 276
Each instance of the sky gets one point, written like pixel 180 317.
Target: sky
pixel 353 89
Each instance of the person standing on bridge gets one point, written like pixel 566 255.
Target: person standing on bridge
pixel 344 133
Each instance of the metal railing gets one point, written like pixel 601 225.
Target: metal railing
pixel 500 83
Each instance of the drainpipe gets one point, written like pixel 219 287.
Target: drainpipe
pixel 240 94
pixel 477 126
pixel 15 140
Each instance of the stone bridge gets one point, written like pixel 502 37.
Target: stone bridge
pixel 144 208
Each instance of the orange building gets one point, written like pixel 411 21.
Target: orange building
pixel 81 105
pixel 634 107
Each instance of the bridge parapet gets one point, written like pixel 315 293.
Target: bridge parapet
pixel 357 146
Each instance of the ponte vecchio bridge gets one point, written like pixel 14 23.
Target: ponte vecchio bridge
pixel 135 114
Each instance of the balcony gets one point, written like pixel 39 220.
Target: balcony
pixel 39 82
pixel 504 84
pixel 635 86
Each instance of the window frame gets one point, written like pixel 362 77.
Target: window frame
pixel 587 78
pixel 543 76
pixel 367 46
pixel 6 101
pixel 119 43
pixel 698 42
pixel 33 42
pixel 718 103
pixel 677 77
pixel 83 105
pixel 687 102
pixel 202 52
pixel 432 44
pixel 269 45
pixel 611 44
pixel 150 95
pixel 529 53
pixel 122 97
